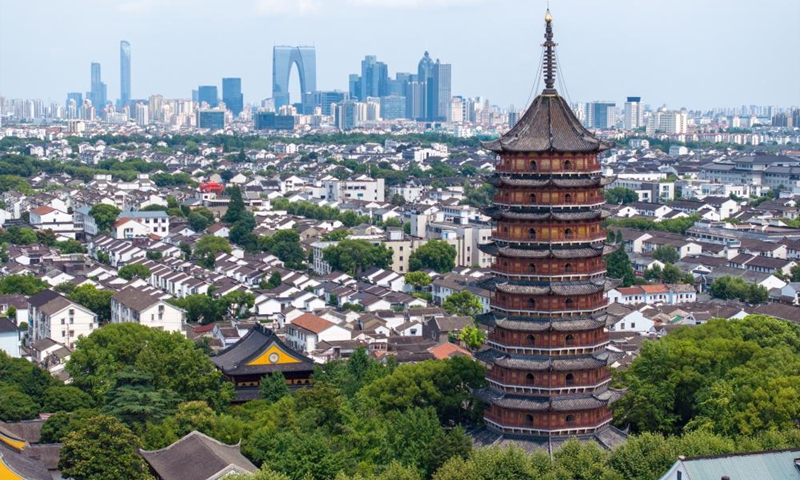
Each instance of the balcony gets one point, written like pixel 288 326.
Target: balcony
pixel 534 390
pixel 493 424
pixel 550 352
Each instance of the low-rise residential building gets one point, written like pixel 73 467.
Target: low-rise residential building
pixel 146 306
pixel 307 330
pixel 9 338
pixel 54 316
pixel 651 294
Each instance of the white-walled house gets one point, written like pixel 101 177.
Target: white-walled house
pixel 52 315
pixel 9 338
pixel 650 294
pixel 147 307
pixel 49 218
pixel 634 322
pixel 307 330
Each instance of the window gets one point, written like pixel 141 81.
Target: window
pixel 530 379
pixel 532 198
pixel 568 234
pixel 568 268
pixel 530 339
pixel 570 339
pixel 532 234
pixel 568 198
pixel 569 303
pixel 570 379
pixel 532 267
pixel 567 165
pixel 533 165
pixel 531 303
pixel 529 420
pixel 570 418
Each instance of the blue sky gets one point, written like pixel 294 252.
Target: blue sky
pixel 692 53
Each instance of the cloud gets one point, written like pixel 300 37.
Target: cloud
pixel 289 8
pixel 413 4
pixel 136 7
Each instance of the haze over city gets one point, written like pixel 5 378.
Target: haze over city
pixel 680 53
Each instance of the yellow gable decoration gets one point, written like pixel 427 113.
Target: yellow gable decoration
pixel 274 356
pixel 12 442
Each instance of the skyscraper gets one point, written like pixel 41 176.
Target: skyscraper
pixel 98 89
pixel 305 59
pixel 208 94
pixel 601 115
pixel 374 78
pixel 442 92
pixel 634 113
pixel 232 95
pixel 124 73
pixel 548 352
pixel 425 78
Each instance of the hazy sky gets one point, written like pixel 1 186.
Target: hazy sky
pixel 692 53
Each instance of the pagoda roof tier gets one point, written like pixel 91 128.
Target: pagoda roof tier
pixel 565 288
pixel 540 363
pixel 547 252
pixel 543 324
pixel 566 403
pixel 499 213
pixel 499 180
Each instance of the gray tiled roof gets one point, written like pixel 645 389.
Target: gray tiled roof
pixel 196 457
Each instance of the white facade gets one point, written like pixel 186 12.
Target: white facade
pixel 362 188
pixel 143 306
pixel 61 320
pixel 49 218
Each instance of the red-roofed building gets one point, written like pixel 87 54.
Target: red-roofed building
pixel 307 330
pixel 49 218
pixel 448 350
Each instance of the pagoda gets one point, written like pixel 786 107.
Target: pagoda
pixel 548 346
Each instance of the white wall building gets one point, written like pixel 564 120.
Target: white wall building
pixel 145 306
pixel 53 316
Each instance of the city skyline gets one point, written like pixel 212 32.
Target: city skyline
pixel 615 52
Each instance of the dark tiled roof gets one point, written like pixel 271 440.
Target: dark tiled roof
pixel 548 126
pixel 233 360
pixel 42 298
pixel 196 457
pixel 26 467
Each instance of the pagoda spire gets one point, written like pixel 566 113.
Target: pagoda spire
pixel 549 56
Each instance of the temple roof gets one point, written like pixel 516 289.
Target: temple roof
pixel 543 324
pixel 500 179
pixel 541 362
pixel 565 403
pixel 552 252
pixel 499 212
pixel 548 126
pixel 197 457
pixel 260 352
pixel 562 288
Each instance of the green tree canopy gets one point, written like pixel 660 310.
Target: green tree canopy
pixel 23 284
pixel 236 207
pixel 104 216
pixel 355 256
pixel 463 303
pixel 620 195
pixel 437 255
pixel 98 301
pixel 418 279
pixel 618 265
pixel 666 254
pixel 63 398
pixel 273 387
pixel 732 288
pixel 134 270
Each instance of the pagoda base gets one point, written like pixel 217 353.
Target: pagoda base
pixel 607 437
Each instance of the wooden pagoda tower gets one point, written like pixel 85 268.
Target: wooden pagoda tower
pixel 548 353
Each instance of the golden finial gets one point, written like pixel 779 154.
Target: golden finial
pixel 547 17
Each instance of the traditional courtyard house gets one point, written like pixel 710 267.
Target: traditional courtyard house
pixel 548 346
pixel 258 354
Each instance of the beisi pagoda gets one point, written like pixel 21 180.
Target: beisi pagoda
pixel 548 354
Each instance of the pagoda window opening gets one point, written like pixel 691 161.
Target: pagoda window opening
pixel 570 379
pixel 532 198
pixel 567 165
pixel 570 419
pixel 532 234
pixel 530 339
pixel 568 268
pixel 530 379
pixel 507 196
pixel 533 165
pixel 531 303
pixel 568 234
pixel 529 420
pixel 570 339
pixel 569 303
pixel 532 267
pixel 568 198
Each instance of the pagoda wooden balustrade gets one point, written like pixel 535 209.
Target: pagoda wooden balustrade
pixel 574 312
pixel 539 237
pixel 564 166
pixel 549 304
pixel 494 423
pixel 548 343
pixel 536 390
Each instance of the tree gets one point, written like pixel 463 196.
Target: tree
pixel 398 200
pixel 236 207
pixel 437 255
pixel 274 281
pixel 418 279
pixel 70 246
pixel 23 284
pixel 134 270
pixel 463 304
pixel 355 256
pixel 103 448
pixel 336 235
pixel 59 424
pixel 135 401
pixel 666 254
pixel 273 387
pixel 46 237
pixel 104 216
pixel 621 195
pixel 98 301
pixel 285 244
pixel 65 399
pixel 618 265
pixel 200 308
pixel 730 288
pixel 16 406
pixel 472 337
pixel 209 246
pixel 198 222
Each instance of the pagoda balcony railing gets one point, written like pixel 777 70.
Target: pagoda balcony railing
pixel 570 206
pixel 508 167
pixel 500 428
pixel 508 238
pixel 533 390
pixel 548 278
pixel 556 352
pixel 574 312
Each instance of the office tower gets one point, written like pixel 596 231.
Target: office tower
pixel 393 107
pixel 397 85
pixel 548 352
pixel 374 78
pixel 155 109
pixel 124 74
pixel 211 118
pixel 634 114
pixel 305 59
pixel 354 86
pixel 232 95
pixel 347 115
pixel 98 89
pixel 324 100
pixel 273 121
pixel 142 114
pixel 425 78
pixel 442 92
pixel 208 94
pixel 601 115
pixel 73 105
pixel 415 98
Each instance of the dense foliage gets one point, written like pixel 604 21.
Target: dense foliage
pixel 735 288
pixel 356 256
pixel 674 225
pixel 436 255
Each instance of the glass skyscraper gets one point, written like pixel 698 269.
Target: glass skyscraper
pixel 98 89
pixel 374 78
pixel 442 91
pixel 208 94
pixel 305 59
pixel 124 73
pixel 232 95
